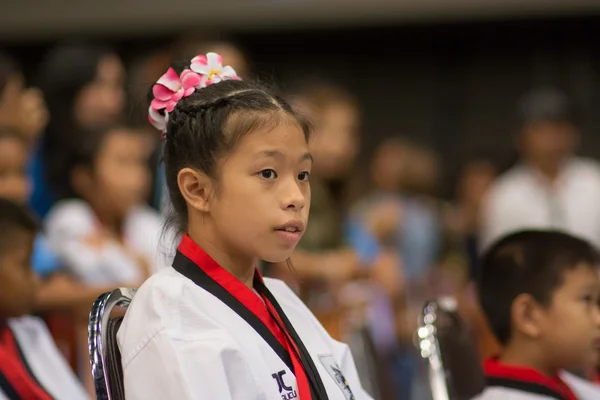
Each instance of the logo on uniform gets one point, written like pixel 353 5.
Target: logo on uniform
pixel 336 373
pixel 286 392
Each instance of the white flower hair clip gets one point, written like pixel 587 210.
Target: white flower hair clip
pixel 204 70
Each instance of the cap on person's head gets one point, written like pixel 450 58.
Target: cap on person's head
pixel 545 104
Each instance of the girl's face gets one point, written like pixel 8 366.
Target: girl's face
pixel 263 189
pixel 121 177
pixel 103 99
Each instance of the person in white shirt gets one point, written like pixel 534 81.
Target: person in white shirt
pixel 550 187
pixel 102 231
pixel 31 365
pixel 540 292
pixel 210 327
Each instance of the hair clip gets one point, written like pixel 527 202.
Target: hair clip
pixel 204 70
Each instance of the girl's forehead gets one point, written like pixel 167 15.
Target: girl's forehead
pixel 280 135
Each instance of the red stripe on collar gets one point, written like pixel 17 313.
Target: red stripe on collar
pixel 493 368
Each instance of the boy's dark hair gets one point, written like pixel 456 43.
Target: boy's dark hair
pixel 206 125
pixel 529 261
pixel 545 104
pixel 14 217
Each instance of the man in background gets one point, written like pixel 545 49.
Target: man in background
pixel 550 187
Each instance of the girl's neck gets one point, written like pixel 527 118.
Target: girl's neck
pixel 240 266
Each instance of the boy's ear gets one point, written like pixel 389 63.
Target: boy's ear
pixel 527 315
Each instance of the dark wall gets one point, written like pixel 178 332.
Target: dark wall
pixel 453 87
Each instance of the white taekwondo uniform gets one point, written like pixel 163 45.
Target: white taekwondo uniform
pixel 182 339
pixel 506 382
pixel 44 361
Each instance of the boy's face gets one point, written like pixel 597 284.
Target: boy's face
pixel 18 283
pixel 14 183
pixel 570 326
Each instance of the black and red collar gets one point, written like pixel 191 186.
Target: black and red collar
pixel 265 316
pixel 526 379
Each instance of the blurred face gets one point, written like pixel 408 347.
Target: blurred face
pixel 475 182
pixel 571 325
pixel 548 142
pixel 389 165
pixel 14 183
pixel 9 99
pixel 262 202
pixel 18 283
pixel 121 177
pixel 421 174
pixel 23 109
pixel 334 144
pixel 102 100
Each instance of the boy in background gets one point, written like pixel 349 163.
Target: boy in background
pixel 540 291
pixel 31 366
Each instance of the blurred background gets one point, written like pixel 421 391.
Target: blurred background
pixel 440 126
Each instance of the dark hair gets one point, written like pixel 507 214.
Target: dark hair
pixel 545 104
pixel 8 68
pixel 528 261
pixel 64 72
pixel 206 125
pixel 14 217
pixel 84 151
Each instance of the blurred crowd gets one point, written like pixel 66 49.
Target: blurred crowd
pixel 77 149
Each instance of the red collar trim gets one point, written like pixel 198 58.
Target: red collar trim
pixel 241 292
pixel 493 368
pixel 15 372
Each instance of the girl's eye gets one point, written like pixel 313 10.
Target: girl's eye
pixel 303 176
pixel 268 174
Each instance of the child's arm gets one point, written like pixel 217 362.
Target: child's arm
pixel 60 292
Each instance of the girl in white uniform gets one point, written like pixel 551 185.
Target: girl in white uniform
pixel 210 327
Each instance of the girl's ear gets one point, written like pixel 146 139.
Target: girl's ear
pixel 196 188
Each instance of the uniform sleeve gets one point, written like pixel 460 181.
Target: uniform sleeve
pixel 343 355
pixel 68 227
pixel 207 367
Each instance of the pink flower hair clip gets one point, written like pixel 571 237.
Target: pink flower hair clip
pixel 204 71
